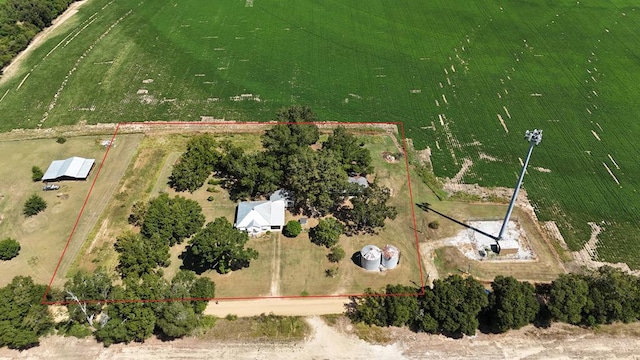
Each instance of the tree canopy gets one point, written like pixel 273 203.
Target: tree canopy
pixel 326 233
pixel 568 298
pixel 456 304
pixel 96 286
pixel 22 20
pixel 368 210
pixel 172 219
pixel 218 246
pixel 296 132
pixel 140 255
pixel 23 319
pixel 195 165
pixel 512 304
pixel 316 185
pixel 34 205
pixel 9 248
pixel 354 158
pixel 292 229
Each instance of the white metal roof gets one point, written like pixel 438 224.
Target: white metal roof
pixel 260 213
pixel 73 167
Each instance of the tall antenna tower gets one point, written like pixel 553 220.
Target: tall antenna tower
pixel 533 137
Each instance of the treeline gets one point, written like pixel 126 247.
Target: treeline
pixel 21 20
pixel 459 306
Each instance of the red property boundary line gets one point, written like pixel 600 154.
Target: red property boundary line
pixel 226 123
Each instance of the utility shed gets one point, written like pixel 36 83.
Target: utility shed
pixel 73 168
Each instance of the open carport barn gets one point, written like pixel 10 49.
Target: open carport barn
pixel 73 168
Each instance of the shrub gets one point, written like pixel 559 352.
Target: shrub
pixel 36 173
pixel 210 198
pixel 9 248
pixel 231 317
pixel 61 140
pixel 331 272
pixel 337 254
pixel 34 205
pixel 292 229
pixel 434 225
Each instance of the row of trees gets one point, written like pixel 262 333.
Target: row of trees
pixel 317 180
pixel 21 20
pixel 458 306
pixel 126 321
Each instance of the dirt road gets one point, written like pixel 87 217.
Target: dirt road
pixel 289 307
pixel 558 342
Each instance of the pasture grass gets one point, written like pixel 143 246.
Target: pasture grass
pixel 43 237
pixel 567 67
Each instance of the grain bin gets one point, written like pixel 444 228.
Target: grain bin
pixel 390 256
pixel 370 256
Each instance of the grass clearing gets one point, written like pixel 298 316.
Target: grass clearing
pixel 43 237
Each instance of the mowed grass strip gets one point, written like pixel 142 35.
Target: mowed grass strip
pixel 566 67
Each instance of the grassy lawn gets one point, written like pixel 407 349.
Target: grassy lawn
pixel 43 237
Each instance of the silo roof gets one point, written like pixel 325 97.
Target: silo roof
pixel 370 252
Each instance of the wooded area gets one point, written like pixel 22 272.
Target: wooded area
pixel 22 20
pixel 459 306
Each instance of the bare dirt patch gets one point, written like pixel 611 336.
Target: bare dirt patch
pixel 559 341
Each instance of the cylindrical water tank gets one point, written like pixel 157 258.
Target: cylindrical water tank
pixel 370 257
pixel 390 256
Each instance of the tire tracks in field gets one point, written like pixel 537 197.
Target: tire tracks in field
pixel 54 101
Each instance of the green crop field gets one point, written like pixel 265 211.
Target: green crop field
pixel 466 77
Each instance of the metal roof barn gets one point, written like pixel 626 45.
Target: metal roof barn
pixel 73 168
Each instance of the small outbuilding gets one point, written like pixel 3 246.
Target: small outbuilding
pixel 73 168
pixel 360 180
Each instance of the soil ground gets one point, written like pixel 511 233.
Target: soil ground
pixel 339 342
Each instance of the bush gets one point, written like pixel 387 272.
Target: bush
pixel 231 317
pixel 434 225
pixel 337 254
pixel 9 248
pixel 36 173
pixel 34 205
pixel 292 229
pixel 211 198
pixel 61 140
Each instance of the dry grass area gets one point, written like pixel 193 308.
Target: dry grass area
pixel 43 237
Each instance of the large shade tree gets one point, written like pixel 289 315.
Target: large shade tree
pixel 172 219
pixel 220 247
pixel 195 165
pixel 568 298
pixel 512 304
